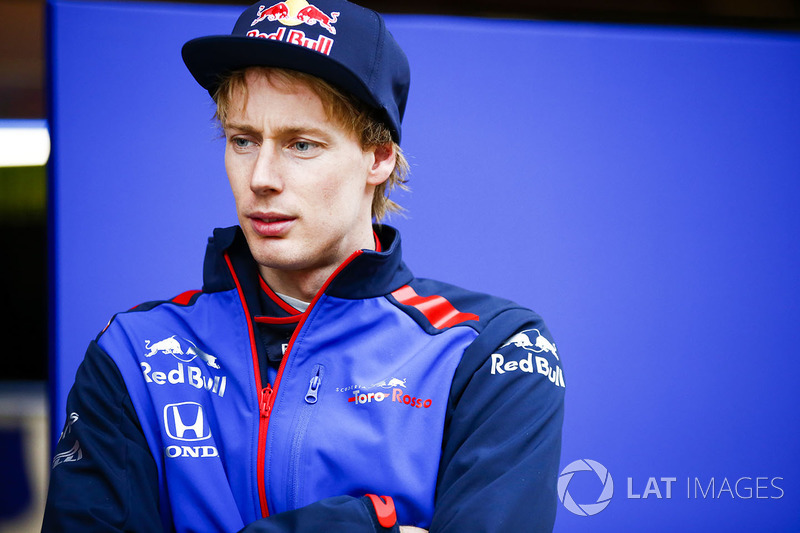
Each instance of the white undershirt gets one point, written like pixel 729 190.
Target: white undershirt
pixel 300 305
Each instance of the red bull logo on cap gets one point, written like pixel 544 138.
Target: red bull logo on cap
pixel 296 12
pixel 322 45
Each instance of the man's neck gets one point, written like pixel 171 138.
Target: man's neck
pixel 296 284
pixel 305 284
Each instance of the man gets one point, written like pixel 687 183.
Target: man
pixel 314 384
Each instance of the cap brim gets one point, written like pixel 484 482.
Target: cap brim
pixel 210 58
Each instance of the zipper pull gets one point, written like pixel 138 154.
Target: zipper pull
pixel 266 396
pixel 313 387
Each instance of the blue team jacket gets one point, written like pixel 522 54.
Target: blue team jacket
pixel 449 401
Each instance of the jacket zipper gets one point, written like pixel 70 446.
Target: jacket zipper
pixel 313 385
pixel 304 418
pixel 265 406
pixel 265 398
pixel 268 394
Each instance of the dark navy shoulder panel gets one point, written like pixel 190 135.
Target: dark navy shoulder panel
pixel 437 306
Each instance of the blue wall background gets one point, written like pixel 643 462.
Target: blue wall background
pixel 638 186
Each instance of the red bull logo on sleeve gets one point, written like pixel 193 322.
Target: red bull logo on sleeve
pixel 532 342
pixel 173 346
pixel 185 351
pixel 540 344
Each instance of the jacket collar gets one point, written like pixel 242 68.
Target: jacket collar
pixel 369 274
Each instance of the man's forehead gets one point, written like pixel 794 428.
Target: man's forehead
pixel 260 82
pixel 315 108
pixel 274 76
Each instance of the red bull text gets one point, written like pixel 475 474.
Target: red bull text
pixel 540 366
pixel 322 45
pixel 188 375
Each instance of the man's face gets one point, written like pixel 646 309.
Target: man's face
pixel 303 185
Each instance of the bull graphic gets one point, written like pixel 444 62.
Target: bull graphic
pixel 545 345
pixel 276 12
pixel 209 359
pixel 170 346
pixel 392 383
pixel 311 15
pixel 520 340
pixel 541 344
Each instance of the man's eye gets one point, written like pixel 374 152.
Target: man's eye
pixel 240 142
pixel 303 146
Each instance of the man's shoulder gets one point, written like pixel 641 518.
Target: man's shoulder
pixel 448 305
pixel 152 311
pixel 178 327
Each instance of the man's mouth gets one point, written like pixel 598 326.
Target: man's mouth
pixel 271 224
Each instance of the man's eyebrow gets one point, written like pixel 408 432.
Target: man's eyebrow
pixel 293 130
pixel 283 132
pixel 243 128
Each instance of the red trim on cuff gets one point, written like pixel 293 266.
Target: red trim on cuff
pixel 387 517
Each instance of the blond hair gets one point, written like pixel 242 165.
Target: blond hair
pixel 341 108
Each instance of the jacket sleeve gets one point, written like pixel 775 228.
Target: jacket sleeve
pixel 368 514
pixel 103 475
pixel 502 441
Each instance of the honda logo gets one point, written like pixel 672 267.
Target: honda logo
pixel 186 421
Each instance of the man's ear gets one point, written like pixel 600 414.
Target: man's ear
pixel 383 158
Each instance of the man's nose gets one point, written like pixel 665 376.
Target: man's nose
pixel 267 173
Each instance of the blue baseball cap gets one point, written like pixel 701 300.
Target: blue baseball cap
pixel 342 43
